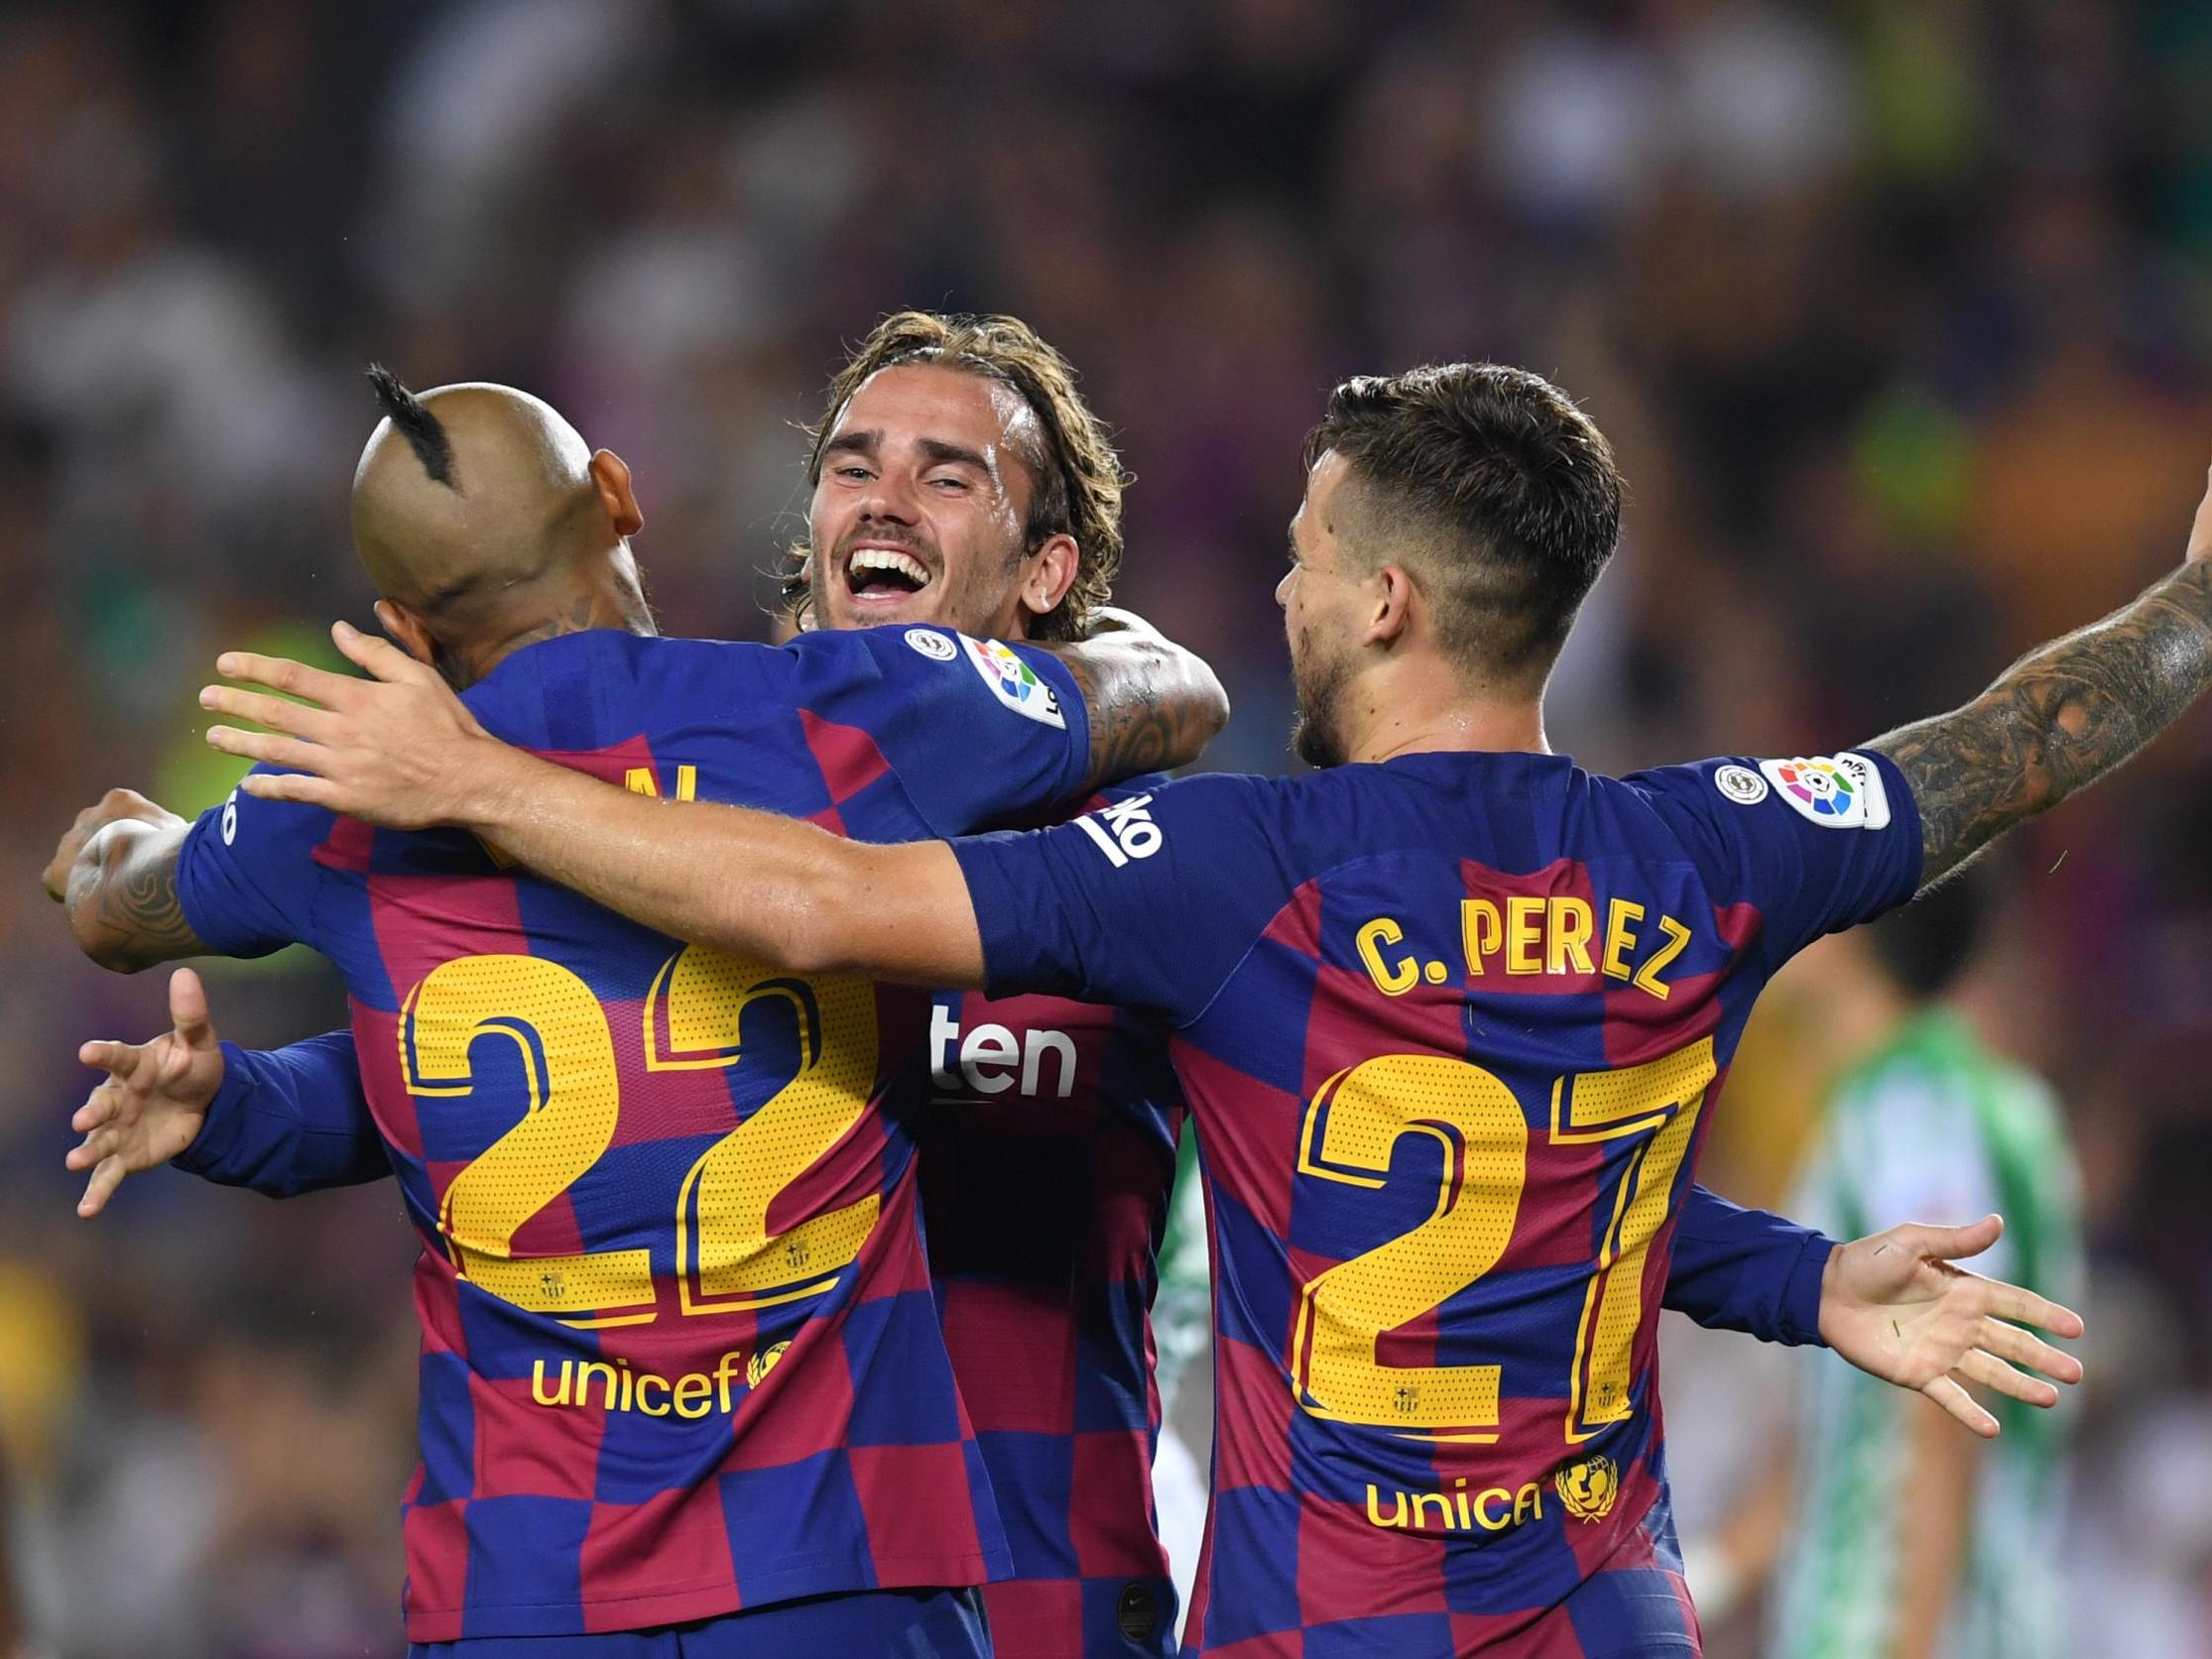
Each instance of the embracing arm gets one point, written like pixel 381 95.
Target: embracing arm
pixel 2061 717
pixel 781 892
pixel 1152 704
pixel 115 876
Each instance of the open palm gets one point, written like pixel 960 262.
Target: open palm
pixel 154 1099
pixel 1893 1304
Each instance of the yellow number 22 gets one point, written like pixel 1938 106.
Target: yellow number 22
pixel 726 1256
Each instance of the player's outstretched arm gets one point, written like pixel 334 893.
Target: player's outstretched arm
pixel 115 874
pixel 1894 1305
pixel 400 750
pixel 1152 704
pixel 2061 717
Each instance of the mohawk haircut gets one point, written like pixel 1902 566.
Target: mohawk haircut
pixel 425 433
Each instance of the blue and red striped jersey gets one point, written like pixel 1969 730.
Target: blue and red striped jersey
pixel 681 1352
pixel 1449 1027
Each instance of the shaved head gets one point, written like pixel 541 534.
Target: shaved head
pixel 468 494
pixel 482 514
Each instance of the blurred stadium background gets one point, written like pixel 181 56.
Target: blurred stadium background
pixel 1899 312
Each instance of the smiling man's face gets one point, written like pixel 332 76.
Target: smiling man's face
pixel 918 516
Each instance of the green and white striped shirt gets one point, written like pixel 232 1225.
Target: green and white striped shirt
pixel 1931 1128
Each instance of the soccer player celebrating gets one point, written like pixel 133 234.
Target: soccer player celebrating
pixel 1448 1013
pixel 1049 1147
pixel 680 1357
pixel 1046 1156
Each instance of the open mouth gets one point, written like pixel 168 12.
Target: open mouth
pixel 884 574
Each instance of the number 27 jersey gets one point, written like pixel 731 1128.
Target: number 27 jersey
pixel 1450 1028
pixel 680 1353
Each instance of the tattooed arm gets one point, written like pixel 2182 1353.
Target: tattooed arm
pixel 2061 717
pixel 115 874
pixel 1152 704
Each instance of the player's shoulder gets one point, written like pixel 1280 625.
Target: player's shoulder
pixel 919 664
pixel 582 690
pixel 1849 789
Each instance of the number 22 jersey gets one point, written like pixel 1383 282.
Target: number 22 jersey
pixel 1449 1027
pixel 680 1353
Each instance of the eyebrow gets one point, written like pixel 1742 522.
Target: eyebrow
pixel 938 450
pixel 868 442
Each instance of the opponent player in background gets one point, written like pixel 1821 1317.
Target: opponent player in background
pixel 1893 1537
pixel 1043 1174
pixel 1447 1014
pixel 680 1360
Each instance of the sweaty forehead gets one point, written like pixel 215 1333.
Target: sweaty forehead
pixel 1329 496
pixel 910 401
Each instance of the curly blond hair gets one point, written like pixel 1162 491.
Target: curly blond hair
pixel 1079 478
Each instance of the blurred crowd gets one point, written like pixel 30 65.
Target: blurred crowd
pixel 1897 312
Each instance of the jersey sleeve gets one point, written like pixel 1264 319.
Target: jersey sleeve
pixel 1815 845
pixel 1748 1271
pixel 976 730
pixel 1131 904
pixel 247 876
pixel 290 1120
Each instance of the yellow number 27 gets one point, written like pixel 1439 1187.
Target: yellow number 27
pixel 1351 1128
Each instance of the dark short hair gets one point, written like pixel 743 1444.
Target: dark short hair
pixel 1493 487
pixel 1925 945
pixel 1079 478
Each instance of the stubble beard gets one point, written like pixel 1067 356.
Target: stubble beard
pixel 1316 734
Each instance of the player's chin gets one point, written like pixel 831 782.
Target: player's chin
pixel 880 609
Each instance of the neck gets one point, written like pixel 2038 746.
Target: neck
pixel 607 603
pixel 1420 709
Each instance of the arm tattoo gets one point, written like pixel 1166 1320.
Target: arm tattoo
pixel 2056 721
pixel 124 909
pixel 1149 708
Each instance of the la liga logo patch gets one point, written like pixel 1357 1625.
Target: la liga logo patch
pixel 1014 682
pixel 1841 791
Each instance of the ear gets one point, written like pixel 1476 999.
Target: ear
pixel 409 629
pixel 1047 575
pixel 1390 599
pixel 610 476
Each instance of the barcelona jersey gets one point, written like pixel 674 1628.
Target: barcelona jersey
pixel 1450 1027
pixel 680 1353
pixel 1046 1166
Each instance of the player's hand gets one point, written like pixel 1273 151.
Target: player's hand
pixel 2200 531
pixel 1894 1305
pixel 112 807
pixel 1112 619
pixel 154 1099
pixel 399 749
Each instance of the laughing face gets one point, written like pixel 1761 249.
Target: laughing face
pixel 919 513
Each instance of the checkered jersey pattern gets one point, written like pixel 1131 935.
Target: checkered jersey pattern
pixel 1048 1161
pixel 1450 1028
pixel 680 1353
